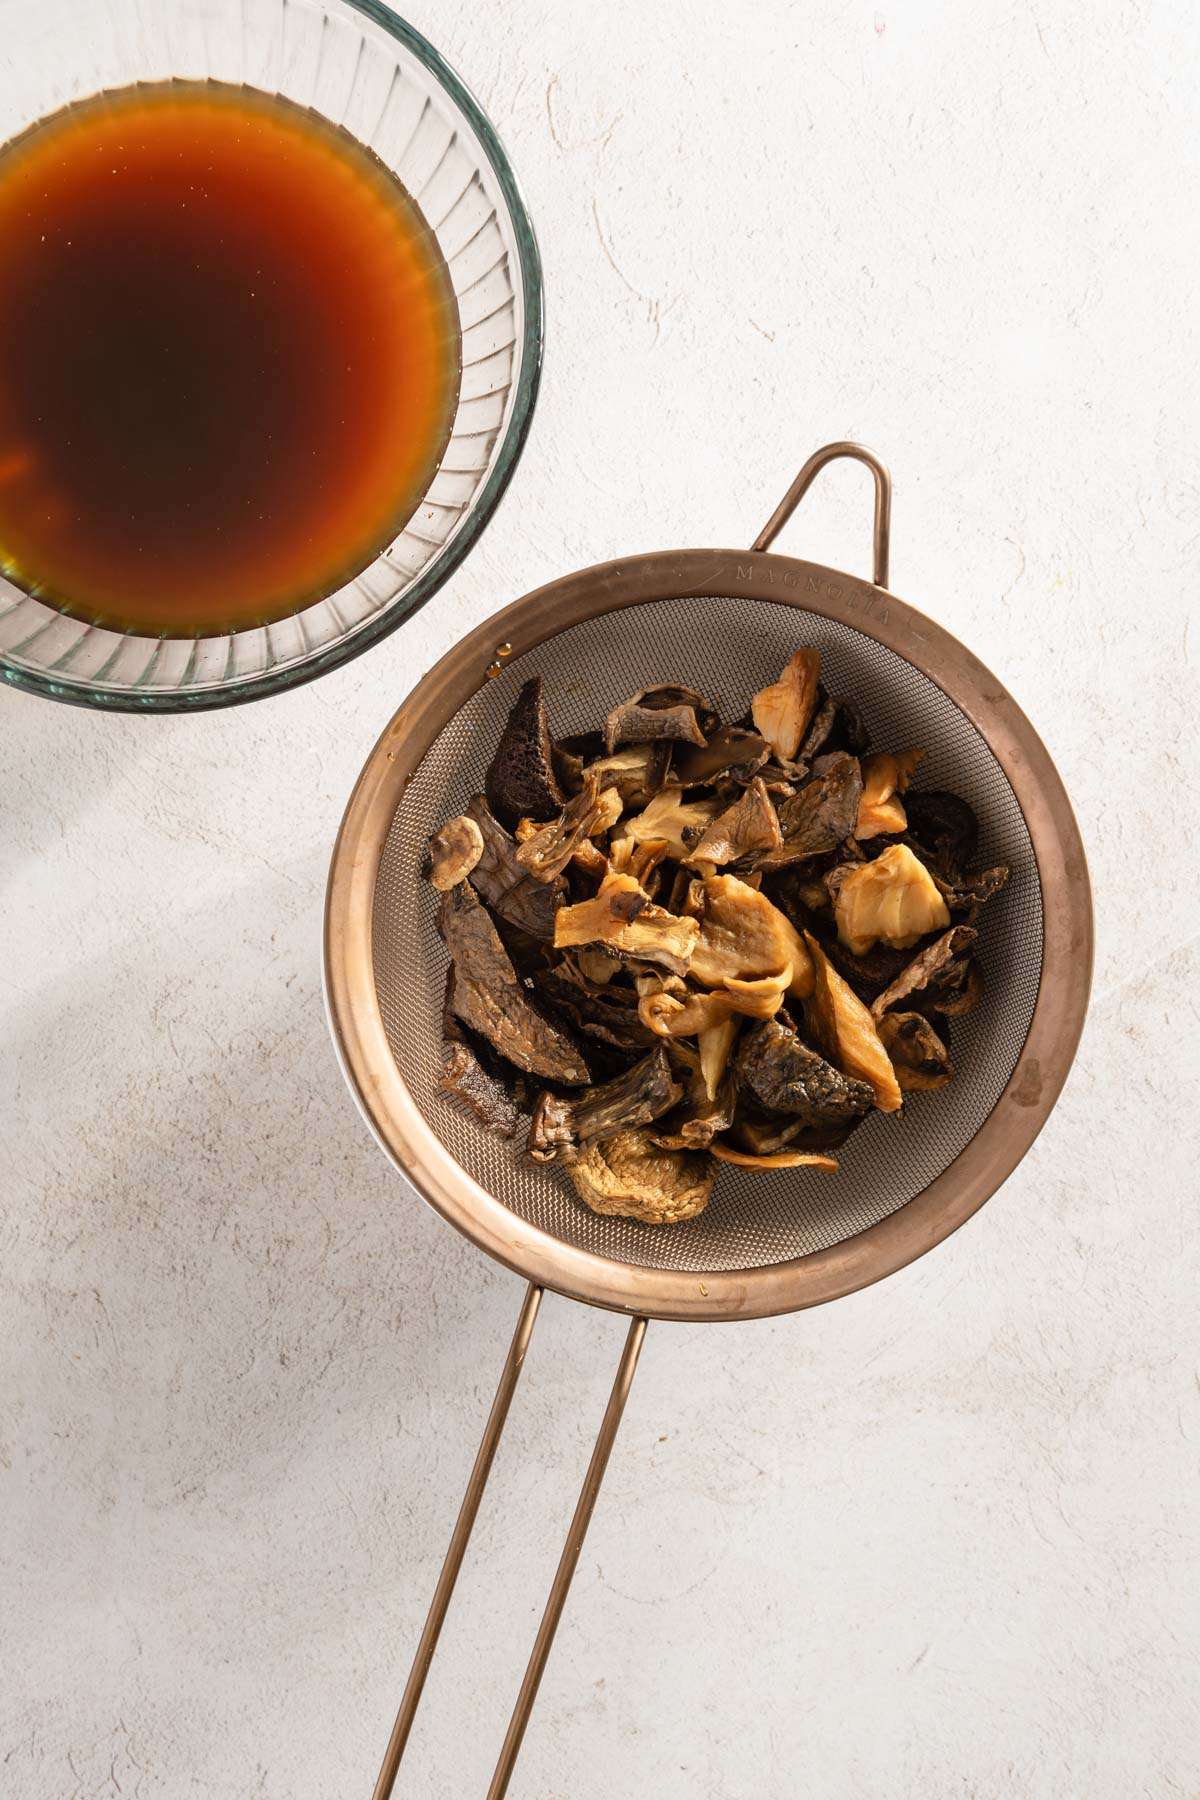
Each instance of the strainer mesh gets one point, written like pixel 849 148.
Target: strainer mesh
pixel 726 647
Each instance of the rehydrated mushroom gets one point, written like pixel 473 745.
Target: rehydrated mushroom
pixel 507 887
pixel 778 1159
pixel 488 997
pixel 742 935
pixel 674 1010
pixel 605 1011
pixel 750 824
pixel 701 1117
pixel 638 1096
pixel 762 1134
pixel 820 815
pixel 927 970
pixel 943 830
pixel 475 1081
pixel 885 777
pixel 893 900
pixel 847 1033
pixel 869 973
pixel 636 772
pixel 629 1175
pixel 781 712
pixel 837 725
pixel 715 1046
pixel 778 1071
pixel 675 713
pixel 971 891
pixel 547 851
pixel 520 780
pixel 918 1055
pixel 730 747
pixel 666 819
pixel 454 850
pixel 622 917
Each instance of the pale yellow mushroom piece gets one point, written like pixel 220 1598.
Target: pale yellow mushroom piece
pixel 885 777
pixel 667 817
pixel 621 917
pixel 893 900
pixel 781 712
pixel 744 937
pixel 715 1046
pixel 846 1031
pixel 774 1159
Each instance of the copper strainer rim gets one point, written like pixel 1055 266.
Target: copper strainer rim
pixel 1041 1068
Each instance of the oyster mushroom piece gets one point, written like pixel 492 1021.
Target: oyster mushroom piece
pixel 520 780
pixel 637 771
pixel 488 997
pixel 621 917
pixel 715 1046
pixel 750 824
pixel 688 1014
pixel 918 1055
pixel 777 1159
pixel 730 747
pixel 893 900
pixel 885 777
pixel 630 1176
pixel 846 1031
pixel 507 887
pixel 675 713
pixel 743 936
pixel 666 819
pixel 636 1097
pixel 821 815
pixel 781 712
pixel 546 852
pixel 926 969
pixel 783 1075
pixel 454 850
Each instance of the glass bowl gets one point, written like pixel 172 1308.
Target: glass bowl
pixel 361 67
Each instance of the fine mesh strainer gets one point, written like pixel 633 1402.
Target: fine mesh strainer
pixel 725 621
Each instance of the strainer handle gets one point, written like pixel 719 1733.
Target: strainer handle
pixel 804 480
pixel 462 1531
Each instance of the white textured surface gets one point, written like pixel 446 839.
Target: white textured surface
pixel 937 1540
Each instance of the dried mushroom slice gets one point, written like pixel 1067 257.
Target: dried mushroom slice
pixel 520 780
pixel 730 748
pixel 918 1055
pixel 701 1117
pixel 778 1159
pixel 750 824
pixel 893 900
pixel 488 997
pixel 847 1033
pixel 675 713
pixel 885 777
pixel 630 1176
pixel 546 852
pixel 926 970
pixel 507 887
pixel 969 892
pixel 474 1081
pixel 743 936
pixel 454 850
pixel 667 819
pixel 821 815
pixel 781 712
pixel 783 1075
pixel 622 918
pixel 636 1097
pixel 637 771
pixel 958 990
pixel 604 1011
pixel 715 1046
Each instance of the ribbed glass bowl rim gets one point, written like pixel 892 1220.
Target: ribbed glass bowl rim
pixel 430 580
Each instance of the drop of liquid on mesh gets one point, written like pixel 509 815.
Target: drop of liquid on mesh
pixel 229 358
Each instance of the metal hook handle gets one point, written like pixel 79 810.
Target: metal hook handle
pixel 804 480
pixel 462 1532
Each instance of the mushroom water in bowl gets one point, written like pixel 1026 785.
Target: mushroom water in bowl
pixel 680 940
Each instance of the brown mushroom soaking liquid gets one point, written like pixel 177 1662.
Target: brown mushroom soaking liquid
pixel 229 358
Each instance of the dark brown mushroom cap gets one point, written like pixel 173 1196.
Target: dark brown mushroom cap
pixel 477 1081
pixel 520 781
pixel 938 966
pixel 488 996
pixel 919 1057
pixel 676 713
pixel 782 1075
pixel 748 826
pixel 943 829
pixel 636 1097
pixel 821 815
pixel 728 748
